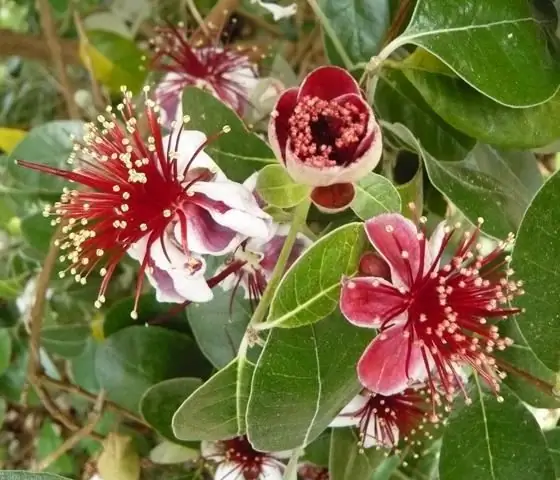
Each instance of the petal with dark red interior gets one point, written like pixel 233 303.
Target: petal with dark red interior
pixel 278 126
pixel 369 302
pixel 328 83
pixel 396 239
pixel 391 362
pixel 333 198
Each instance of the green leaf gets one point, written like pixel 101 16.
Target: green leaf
pixel 553 441
pixel 411 185
pixel 9 314
pixel 65 340
pixel 469 111
pixel 310 289
pixel 369 19
pixel 21 475
pixel 3 408
pixel 300 383
pixel 37 232
pixel 5 350
pixel 534 258
pixel 211 412
pixel 12 287
pixel 82 367
pixel 277 188
pixel 159 403
pixel 168 453
pixel 318 451
pixel 217 330
pixel 374 195
pixel 132 360
pixel 513 44
pixel 239 153
pixel 496 186
pixel 149 310
pixel 348 460
pixel 398 101
pixel 49 144
pixel 115 60
pixel 492 440
pixel 520 356
pixel 49 440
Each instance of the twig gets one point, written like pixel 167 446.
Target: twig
pixel 98 100
pixel 33 47
pixel 304 47
pixel 53 43
pixel 197 17
pixel 398 21
pixel 260 22
pixel 80 434
pixel 216 19
pixel 75 389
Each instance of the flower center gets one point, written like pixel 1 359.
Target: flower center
pixel 252 259
pixel 326 133
pixel 238 450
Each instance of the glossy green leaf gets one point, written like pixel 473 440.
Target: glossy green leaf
pixel 398 101
pixel 375 195
pixel 520 356
pixel 239 153
pixel 65 340
pixel 369 19
pixel 218 326
pixel 132 360
pixel 159 403
pixel 21 475
pixel 277 188
pixel 476 115
pixel 37 232
pixel 82 367
pixel 49 144
pixel 318 451
pixel 553 441
pixel 49 439
pixel 348 460
pixel 534 258
pixel 310 289
pixel 115 60
pixel 503 441
pixel 303 378
pixel 211 412
pixel 513 43
pixel 496 186
pixel 5 350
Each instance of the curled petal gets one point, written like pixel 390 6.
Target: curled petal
pixel 396 239
pixel 391 362
pixel 334 198
pixel 278 126
pixel 328 82
pixel 369 302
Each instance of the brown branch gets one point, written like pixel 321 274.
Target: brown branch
pixel 75 389
pixel 216 20
pixel 33 47
pixel 260 22
pixel 53 43
pixel 398 21
pixel 80 434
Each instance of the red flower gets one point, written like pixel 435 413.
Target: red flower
pixel 225 72
pixel 385 420
pixel 163 201
pixel 433 316
pixel 326 135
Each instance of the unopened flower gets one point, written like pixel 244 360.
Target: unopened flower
pixel 326 135
pixel 161 199
pixel 225 72
pixel 237 460
pixel 434 316
pixel 310 471
pixel 386 420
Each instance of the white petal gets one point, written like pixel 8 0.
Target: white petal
pixel 211 450
pixel 138 249
pixel 270 472
pixel 245 77
pixel 197 243
pixel 244 216
pixel 434 246
pixel 228 471
pixel 251 182
pixel 346 418
pixel 282 454
pixel 278 12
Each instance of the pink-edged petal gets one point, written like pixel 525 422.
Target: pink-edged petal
pixel 396 239
pixel 279 126
pixel 369 302
pixel 328 82
pixel 334 198
pixel 391 362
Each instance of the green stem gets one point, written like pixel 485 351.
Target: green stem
pixel 291 469
pixel 300 215
pixel 332 34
